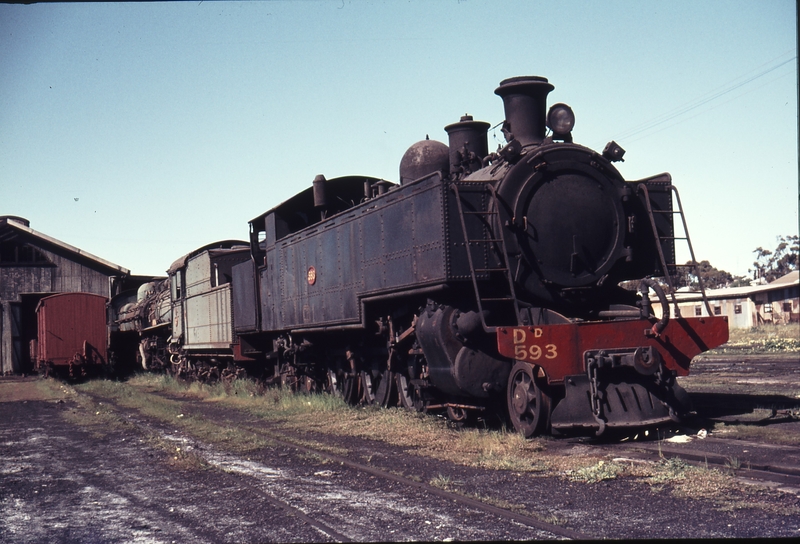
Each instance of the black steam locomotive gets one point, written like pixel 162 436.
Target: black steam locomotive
pixel 481 283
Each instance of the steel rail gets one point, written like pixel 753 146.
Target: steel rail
pixel 455 497
pixel 653 451
pixel 147 429
pixel 327 530
pixel 285 441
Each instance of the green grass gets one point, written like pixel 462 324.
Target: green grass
pixel 764 339
pixel 603 470
pixel 423 434
pixel 137 394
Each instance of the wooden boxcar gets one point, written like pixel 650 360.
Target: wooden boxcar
pixel 72 335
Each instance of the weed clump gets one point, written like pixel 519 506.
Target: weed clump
pixel 596 473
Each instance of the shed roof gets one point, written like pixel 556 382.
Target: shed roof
pixel 792 278
pixel 12 225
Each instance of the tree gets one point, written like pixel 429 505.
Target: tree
pixel 771 265
pixel 740 281
pixel 685 276
pixel 712 278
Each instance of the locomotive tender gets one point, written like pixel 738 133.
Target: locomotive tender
pixel 182 323
pixel 481 282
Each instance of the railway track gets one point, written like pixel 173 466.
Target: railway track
pixel 770 465
pixel 454 497
pixel 269 483
pixel 733 394
pixel 446 495
pixel 776 466
pixel 297 502
pixel 371 484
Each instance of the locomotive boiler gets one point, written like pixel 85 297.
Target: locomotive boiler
pixel 481 282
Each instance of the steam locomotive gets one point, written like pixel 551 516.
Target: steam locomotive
pixel 481 283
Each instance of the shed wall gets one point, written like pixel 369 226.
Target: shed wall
pixel 56 270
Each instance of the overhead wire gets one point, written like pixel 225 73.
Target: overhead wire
pixel 699 113
pixel 687 107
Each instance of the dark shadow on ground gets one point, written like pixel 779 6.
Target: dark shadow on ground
pixel 717 405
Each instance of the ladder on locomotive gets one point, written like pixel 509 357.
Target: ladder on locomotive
pixel 489 242
pixel 659 239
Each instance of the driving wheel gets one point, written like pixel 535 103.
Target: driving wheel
pixel 528 404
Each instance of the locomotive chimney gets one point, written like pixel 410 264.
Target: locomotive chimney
pixel 525 104
pixel 468 145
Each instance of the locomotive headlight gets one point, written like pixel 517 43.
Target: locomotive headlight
pixel 560 119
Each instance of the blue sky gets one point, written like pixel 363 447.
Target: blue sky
pixel 141 131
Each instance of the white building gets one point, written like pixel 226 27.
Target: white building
pixel 777 302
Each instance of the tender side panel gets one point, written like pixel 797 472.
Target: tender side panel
pixel 198 274
pixel 349 255
pixel 207 311
pixel 391 243
pixel 178 328
pixel 269 291
pixel 209 319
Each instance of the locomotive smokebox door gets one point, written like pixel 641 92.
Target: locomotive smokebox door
pixel 573 219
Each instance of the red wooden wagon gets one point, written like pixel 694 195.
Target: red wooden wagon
pixel 72 337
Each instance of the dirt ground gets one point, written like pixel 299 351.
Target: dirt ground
pixel 64 482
